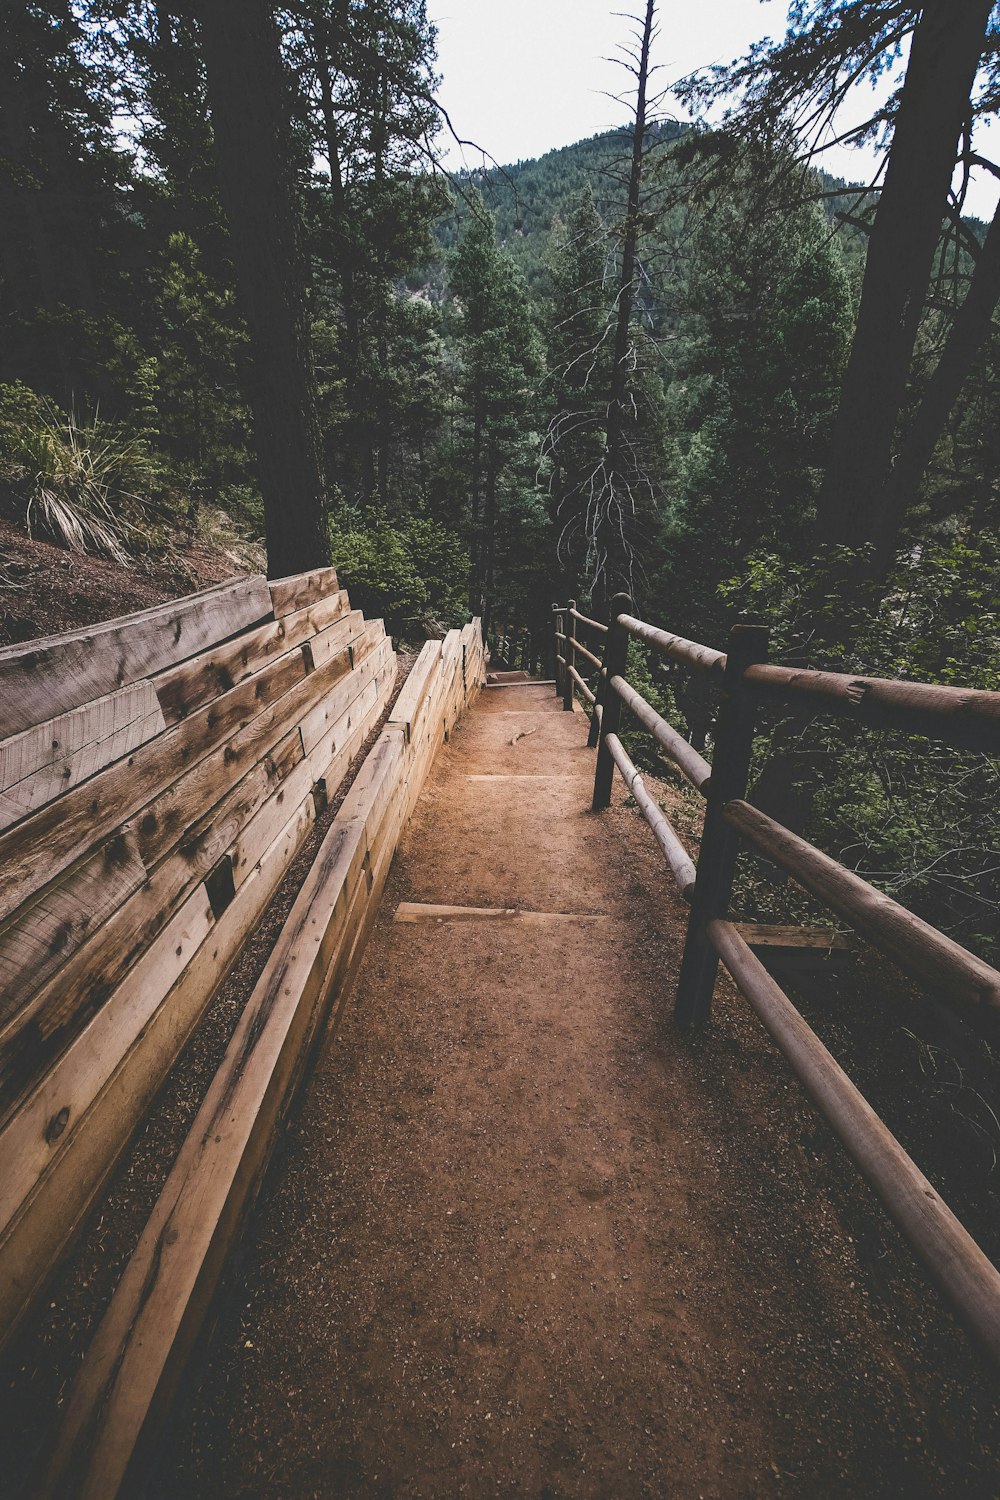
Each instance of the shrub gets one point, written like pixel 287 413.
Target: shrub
pixel 412 572
pixel 76 482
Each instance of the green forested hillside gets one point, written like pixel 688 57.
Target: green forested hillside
pixel 527 197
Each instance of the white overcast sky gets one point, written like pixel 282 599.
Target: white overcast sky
pixel 523 76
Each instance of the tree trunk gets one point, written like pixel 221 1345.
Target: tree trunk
pixel 934 105
pixel 350 301
pixel 970 327
pixel 249 104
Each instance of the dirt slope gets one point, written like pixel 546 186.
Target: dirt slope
pixel 46 589
pixel 523 1241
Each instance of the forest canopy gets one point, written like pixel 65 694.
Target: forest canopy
pixel 239 289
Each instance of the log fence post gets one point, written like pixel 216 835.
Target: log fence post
pixel 557 615
pixel 593 738
pixel 615 656
pixel 748 645
pixel 570 645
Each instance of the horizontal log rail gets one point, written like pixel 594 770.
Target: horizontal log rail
pixel 971 987
pixel 677 857
pixel 937 962
pixel 964 717
pixel 586 620
pixel 968 1280
pixel 595 661
pixel 694 766
pixel 581 684
pixel 674 646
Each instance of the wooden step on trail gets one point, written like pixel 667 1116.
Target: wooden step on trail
pixel 422 911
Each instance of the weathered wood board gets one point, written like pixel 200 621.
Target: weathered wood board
pixel 301 590
pixel 47 677
pixel 41 763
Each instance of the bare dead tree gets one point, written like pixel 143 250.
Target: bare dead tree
pixel 605 500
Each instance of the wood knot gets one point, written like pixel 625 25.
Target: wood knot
pixel 57 1125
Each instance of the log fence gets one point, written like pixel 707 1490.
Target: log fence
pixel 569 679
pixel 745 680
pixel 515 648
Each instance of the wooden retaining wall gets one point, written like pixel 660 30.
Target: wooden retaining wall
pixel 136 1358
pixel 158 774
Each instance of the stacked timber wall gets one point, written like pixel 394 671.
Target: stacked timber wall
pixel 158 774
pixel 123 1391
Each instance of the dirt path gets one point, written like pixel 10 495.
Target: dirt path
pixel 523 1241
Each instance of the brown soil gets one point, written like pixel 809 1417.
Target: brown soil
pixel 521 1239
pixel 46 589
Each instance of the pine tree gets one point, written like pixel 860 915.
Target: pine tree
pixel 500 356
pixel 66 240
pixel 366 78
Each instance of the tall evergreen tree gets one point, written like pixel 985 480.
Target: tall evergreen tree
pixel 65 295
pixel 500 357
pixel 928 127
pixel 367 80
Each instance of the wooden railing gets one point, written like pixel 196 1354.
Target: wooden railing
pixel 745 679
pixel 516 648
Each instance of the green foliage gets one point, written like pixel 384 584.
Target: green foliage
pixel 499 360
pixel 412 572
pixel 918 818
pixel 78 483
pixel 764 326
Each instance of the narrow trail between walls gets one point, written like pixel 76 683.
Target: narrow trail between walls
pixel 523 1240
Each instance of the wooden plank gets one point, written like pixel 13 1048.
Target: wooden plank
pixel 770 935
pixel 192 684
pixel 164 822
pixel 416 688
pixel 47 677
pixel 53 744
pixel 51 781
pixel 336 637
pixel 331 706
pixel 424 911
pixel 43 1128
pixel 48 1221
pixel 302 589
pixel 370 639
pixel 39 848
pixel 42 935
